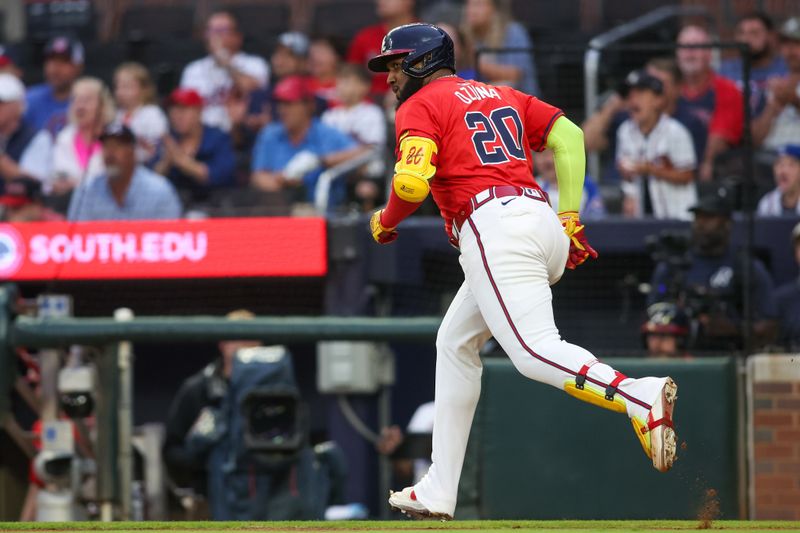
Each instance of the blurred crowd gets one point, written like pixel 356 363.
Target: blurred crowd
pixel 309 130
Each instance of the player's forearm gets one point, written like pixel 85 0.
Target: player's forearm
pixel 566 141
pixel 397 210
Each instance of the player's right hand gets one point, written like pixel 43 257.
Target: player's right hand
pixel 380 233
pixel 579 249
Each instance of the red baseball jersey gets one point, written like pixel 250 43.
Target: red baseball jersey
pixel 484 135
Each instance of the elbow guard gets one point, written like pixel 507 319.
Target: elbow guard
pixel 416 165
pixel 410 188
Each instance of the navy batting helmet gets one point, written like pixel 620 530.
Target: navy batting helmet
pixel 426 48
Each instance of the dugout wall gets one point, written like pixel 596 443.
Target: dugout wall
pixel 537 453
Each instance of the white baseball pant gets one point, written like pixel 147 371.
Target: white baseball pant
pixel 512 250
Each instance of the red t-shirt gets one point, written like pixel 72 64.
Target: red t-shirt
pixel 484 135
pixel 720 106
pixel 366 45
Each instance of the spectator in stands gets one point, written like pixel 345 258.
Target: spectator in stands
pixel 591 201
pixel 224 68
pixel 290 56
pixel 323 66
pixel 77 156
pixel 135 96
pixel 787 299
pixel 48 102
pixel 464 55
pixel 200 391
pixel 666 331
pixel 195 157
pixel 367 42
pixel 8 65
pixel 24 150
pixel 756 30
pixel 713 99
pixel 711 286
pixel 779 123
pixel 655 155
pixel 293 151
pixel 363 121
pixel 488 24
pixel 600 129
pixel 125 190
pixel 784 200
pixel 22 202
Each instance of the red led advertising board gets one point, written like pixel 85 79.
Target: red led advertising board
pixel 213 248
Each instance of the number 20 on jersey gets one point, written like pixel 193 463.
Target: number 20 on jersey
pixel 503 124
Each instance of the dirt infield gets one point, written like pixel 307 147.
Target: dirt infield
pixel 522 526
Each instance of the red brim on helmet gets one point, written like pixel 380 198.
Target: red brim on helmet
pixel 379 62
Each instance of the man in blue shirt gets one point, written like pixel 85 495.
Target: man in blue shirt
pixel 756 30
pixel 48 102
pixel 707 282
pixel 125 191
pixel 293 151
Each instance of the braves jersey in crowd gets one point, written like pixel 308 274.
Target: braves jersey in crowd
pixel 483 134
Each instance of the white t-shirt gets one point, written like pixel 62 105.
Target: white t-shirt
pixel 668 143
pixel 366 123
pixel 149 124
pixel 37 158
pixel 214 83
pixel 770 205
pixel 66 164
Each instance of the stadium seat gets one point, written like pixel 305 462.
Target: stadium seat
pixel 157 22
pixel 343 19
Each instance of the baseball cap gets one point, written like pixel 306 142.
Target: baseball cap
pixel 792 150
pixel 640 79
pixel 11 89
pixel 117 130
pixel 6 57
pixel 791 29
pixel 295 41
pixel 185 97
pixel 65 47
pixel 292 89
pixel 21 191
pixel 714 203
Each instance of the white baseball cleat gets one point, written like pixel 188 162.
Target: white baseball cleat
pixel 657 435
pixel 406 502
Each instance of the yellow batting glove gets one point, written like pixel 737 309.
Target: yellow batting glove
pixel 380 233
pixel 579 248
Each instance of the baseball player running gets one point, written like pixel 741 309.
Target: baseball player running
pixel 469 144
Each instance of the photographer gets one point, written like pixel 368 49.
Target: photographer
pixel 200 391
pixel 238 432
pixel 706 281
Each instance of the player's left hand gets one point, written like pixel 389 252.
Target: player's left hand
pixel 381 233
pixel 579 248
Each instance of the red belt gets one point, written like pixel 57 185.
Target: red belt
pixel 498 191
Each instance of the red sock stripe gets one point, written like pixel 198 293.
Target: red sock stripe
pixel 519 337
pixel 655 423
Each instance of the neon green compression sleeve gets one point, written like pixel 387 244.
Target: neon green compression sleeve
pixel 566 141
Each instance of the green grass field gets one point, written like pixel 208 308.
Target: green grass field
pixel 520 526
